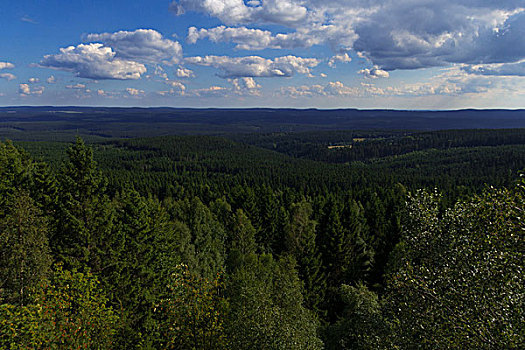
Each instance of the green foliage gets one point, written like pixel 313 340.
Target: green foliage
pixel 207 235
pixel 243 246
pixel 459 280
pixel 69 312
pixel 301 244
pixel 362 325
pixel 266 308
pixel 191 317
pixel 139 266
pixel 295 241
pixel 15 174
pixel 25 257
pixel 347 255
pixel 85 216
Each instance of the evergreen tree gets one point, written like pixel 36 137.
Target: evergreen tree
pixel 150 246
pixel 25 258
pixel 243 246
pixel 85 215
pixel 207 233
pixel 301 244
pixel 266 308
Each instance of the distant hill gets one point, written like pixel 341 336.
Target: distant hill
pixel 97 123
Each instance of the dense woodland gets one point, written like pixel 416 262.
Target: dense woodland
pixel 393 240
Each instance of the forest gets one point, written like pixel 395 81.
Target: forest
pixel 347 239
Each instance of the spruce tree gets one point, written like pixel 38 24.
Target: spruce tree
pixel 301 244
pixel 25 258
pixel 85 215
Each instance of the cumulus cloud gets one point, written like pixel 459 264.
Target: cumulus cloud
pixel 26 90
pixel 255 66
pixel 33 80
pixel 141 45
pixel 160 72
pixel 502 69
pixel 7 76
pixel 245 86
pixel 212 91
pixel 393 35
pixel 257 39
pixel 184 73
pixel 38 90
pixel 121 55
pixel 344 58
pixel 284 12
pixel 335 88
pixel 177 88
pixel 51 79
pixel 6 65
pixel 134 92
pixel 76 86
pixel 374 73
pixel 93 61
pixel 451 82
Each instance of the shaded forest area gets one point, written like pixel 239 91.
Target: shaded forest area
pixel 391 239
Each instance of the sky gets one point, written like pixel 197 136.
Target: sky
pixel 395 54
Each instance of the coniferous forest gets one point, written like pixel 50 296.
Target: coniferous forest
pixel 311 240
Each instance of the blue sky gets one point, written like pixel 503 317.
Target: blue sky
pixel 403 54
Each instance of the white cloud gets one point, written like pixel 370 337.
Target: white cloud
pixel 285 12
pixel 28 19
pixel 255 66
pixel 212 91
pixel 6 65
pixel 502 69
pixel 344 58
pixel 76 86
pixel 25 90
pixel 51 79
pixel 38 90
pixel 93 61
pixel 374 73
pixel 134 92
pixel 177 88
pixel 245 86
pixel 7 76
pixel 184 73
pixel 331 89
pixel 257 39
pixel 160 72
pixel 141 45
pixel 33 80
pixel 403 34
pixel 452 82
